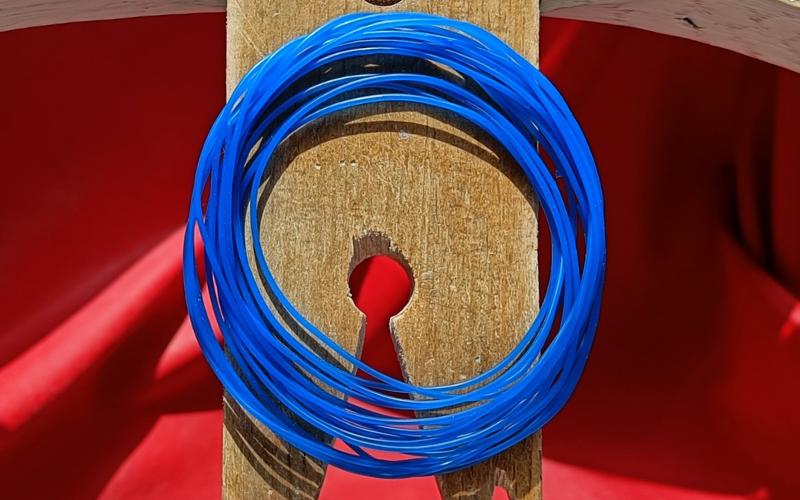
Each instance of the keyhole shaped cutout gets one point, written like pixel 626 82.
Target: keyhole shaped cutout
pixel 380 287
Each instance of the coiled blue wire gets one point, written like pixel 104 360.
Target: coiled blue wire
pixel 281 380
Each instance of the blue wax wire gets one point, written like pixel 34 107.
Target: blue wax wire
pixel 281 380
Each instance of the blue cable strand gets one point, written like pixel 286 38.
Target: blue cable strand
pixel 281 380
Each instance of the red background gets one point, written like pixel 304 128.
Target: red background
pixel 692 388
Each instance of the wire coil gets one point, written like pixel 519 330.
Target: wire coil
pixel 278 377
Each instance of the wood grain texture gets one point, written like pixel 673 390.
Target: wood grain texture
pixel 407 182
pixel 768 30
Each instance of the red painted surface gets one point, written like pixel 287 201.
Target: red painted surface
pixel 692 388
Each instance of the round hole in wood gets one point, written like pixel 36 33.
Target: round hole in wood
pixel 383 3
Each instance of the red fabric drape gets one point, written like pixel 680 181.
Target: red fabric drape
pixel 692 388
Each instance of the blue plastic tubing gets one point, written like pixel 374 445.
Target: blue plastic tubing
pixel 488 413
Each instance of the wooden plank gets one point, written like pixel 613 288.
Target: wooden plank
pixel 432 192
pixel 768 30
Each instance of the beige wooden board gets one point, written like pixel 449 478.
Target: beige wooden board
pixel 434 193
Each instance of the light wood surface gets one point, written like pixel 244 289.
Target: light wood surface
pixel 424 188
pixel 768 30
